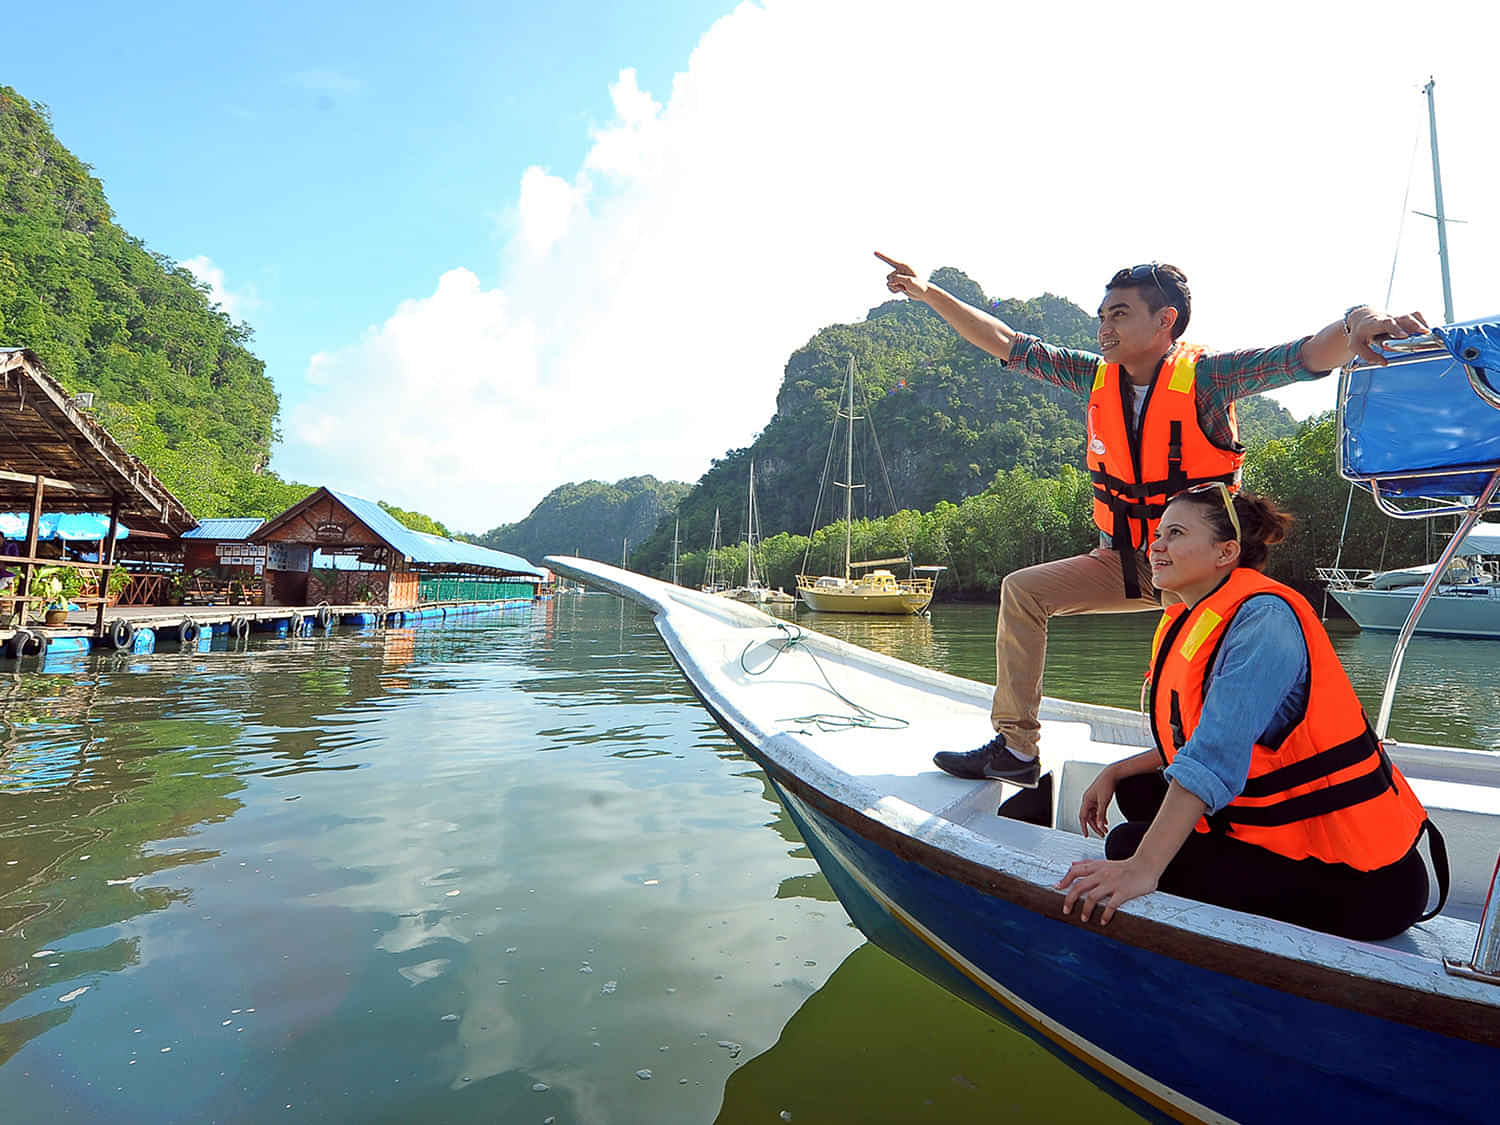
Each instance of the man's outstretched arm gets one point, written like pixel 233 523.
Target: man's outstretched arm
pixel 1357 334
pixel 984 331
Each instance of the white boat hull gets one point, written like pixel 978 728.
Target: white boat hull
pixel 929 872
pixel 1473 613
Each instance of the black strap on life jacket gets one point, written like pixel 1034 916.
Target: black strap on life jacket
pixel 1438 850
pixel 1178 736
pixel 1379 779
pixel 1176 480
pixel 1325 763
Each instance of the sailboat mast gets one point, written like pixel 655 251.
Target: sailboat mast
pixel 750 531
pixel 711 573
pixel 676 528
pixel 1437 191
pixel 849 477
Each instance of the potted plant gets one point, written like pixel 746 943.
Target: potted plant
pixel 177 587
pixel 57 586
pixel 115 585
pixel 7 590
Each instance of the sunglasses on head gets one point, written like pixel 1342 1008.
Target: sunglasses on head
pixel 1224 494
pixel 1145 272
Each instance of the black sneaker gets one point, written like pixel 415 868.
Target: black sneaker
pixel 992 760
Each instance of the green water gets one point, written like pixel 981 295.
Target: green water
pixel 494 872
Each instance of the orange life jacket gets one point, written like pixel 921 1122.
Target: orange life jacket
pixel 1327 790
pixel 1136 472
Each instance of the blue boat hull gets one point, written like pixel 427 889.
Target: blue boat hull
pixel 1173 1039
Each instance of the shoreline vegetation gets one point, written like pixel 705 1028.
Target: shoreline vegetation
pixel 984 461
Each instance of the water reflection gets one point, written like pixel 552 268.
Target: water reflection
pixel 420 873
pixel 907 637
pixel 1449 692
pixel 491 872
pixel 937 1060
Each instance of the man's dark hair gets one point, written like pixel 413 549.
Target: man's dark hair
pixel 1159 285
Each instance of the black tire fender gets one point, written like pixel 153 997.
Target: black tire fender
pixel 239 628
pixel 189 631
pixel 325 616
pixel 26 642
pixel 121 636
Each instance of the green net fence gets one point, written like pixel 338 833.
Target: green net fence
pixel 470 590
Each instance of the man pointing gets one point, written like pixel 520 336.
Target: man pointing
pixel 1161 419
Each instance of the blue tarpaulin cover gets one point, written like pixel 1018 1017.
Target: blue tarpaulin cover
pixel 1476 343
pixel 1409 424
pixel 72 526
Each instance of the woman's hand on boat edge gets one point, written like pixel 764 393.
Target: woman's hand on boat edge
pixel 1093 810
pixel 1107 883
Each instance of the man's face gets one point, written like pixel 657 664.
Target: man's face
pixel 1128 329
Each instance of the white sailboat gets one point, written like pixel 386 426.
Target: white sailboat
pixel 711 583
pixel 1465 603
pixel 879 590
pixel 755 591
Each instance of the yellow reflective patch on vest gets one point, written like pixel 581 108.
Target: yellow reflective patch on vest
pixel 1161 631
pixel 1202 629
pixel 1099 374
pixel 1183 373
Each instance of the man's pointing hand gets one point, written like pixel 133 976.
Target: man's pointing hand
pixel 902 278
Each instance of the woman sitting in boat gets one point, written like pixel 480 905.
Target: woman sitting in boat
pixel 1276 797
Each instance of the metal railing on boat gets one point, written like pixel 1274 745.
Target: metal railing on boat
pixel 1485 963
pixel 1443 492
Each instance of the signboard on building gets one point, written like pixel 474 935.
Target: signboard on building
pixel 240 554
pixel 288 556
pixel 329 532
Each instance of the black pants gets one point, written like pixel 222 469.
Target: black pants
pixel 1332 897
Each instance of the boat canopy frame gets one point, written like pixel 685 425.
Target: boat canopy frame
pixel 1456 472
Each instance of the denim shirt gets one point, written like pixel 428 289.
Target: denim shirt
pixel 1256 691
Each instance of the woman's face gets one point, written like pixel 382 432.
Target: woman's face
pixel 1187 554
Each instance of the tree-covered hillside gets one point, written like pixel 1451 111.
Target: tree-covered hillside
pixel 946 417
pixel 173 376
pixel 592 519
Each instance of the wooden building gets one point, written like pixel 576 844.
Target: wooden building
pixel 221 566
pixel 55 457
pixel 345 550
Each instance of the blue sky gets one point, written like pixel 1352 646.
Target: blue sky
pixel 380 143
pixel 490 248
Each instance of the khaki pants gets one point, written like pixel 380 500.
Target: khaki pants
pixel 1090 583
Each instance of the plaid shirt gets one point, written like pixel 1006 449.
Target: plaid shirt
pixel 1222 376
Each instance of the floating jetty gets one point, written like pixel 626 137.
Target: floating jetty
pixel 332 559
pixel 140 629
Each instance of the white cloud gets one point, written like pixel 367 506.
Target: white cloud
pixel 238 306
pixel 431 406
pixel 547 207
pixel 647 305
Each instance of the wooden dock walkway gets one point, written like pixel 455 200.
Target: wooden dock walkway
pixel 140 628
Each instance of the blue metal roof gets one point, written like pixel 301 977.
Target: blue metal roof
pixel 423 548
pixel 238 528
